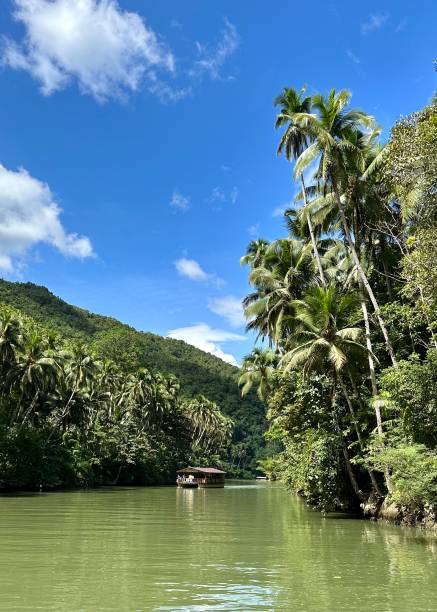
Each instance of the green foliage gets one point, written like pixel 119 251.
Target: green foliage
pixel 197 372
pixel 311 466
pixel 412 389
pixel 68 418
pixel 338 311
pixel 413 470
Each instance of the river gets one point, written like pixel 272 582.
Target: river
pixel 247 547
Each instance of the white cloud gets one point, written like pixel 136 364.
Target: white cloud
pixel 253 230
pixel 29 215
pixel 374 22
pixel 212 59
pixel 194 271
pixel 179 201
pixel 228 307
pixel 217 195
pixel 354 58
pixel 191 269
pixel 207 339
pixel 107 50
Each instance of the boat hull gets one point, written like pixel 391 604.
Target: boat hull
pixel 187 485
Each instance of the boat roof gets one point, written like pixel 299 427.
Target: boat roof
pixel 203 470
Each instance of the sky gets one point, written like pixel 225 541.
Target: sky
pixel 138 149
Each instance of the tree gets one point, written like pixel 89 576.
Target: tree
pixel 334 134
pixel 257 369
pixel 293 142
pixel 325 340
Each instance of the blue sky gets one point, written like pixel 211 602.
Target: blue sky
pixel 138 149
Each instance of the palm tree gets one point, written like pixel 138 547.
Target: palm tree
pixel 211 428
pixel 293 142
pixel 254 253
pixel 33 374
pixel 257 369
pixel 285 272
pixel 10 337
pixel 336 136
pixel 325 340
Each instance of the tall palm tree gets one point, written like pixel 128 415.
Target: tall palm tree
pixel 334 134
pixel 324 339
pixel 294 141
pixel 257 369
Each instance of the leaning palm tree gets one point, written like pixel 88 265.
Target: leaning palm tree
pixel 294 141
pixel 325 340
pixel 257 369
pixel 334 135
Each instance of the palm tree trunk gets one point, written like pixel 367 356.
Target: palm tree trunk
pixel 374 383
pixel 358 432
pixel 29 410
pixel 344 450
pixel 347 463
pixel 311 231
pixel 364 278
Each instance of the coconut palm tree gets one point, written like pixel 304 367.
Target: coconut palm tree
pixel 33 374
pixel 257 369
pixel 336 135
pixel 294 141
pixel 285 272
pixel 325 340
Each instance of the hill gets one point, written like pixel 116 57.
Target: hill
pixel 198 372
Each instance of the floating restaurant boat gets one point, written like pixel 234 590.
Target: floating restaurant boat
pixel 202 477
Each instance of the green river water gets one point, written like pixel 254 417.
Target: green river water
pixel 245 547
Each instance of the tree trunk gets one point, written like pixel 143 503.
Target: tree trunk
pixel 373 381
pixel 364 278
pixel 344 450
pixel 358 432
pixel 313 239
pixel 347 462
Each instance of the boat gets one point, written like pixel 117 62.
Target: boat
pixel 200 477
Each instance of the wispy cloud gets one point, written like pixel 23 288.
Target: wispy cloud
pixel 219 196
pixel 212 59
pixel 190 268
pixel 354 58
pixel 179 201
pixel 29 215
pixel 374 22
pixel 207 339
pixel 228 307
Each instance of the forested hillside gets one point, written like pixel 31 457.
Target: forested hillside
pixel 198 373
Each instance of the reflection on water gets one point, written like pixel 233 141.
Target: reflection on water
pixel 242 548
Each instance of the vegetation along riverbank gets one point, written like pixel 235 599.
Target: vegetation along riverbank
pixel 86 400
pixel 347 301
